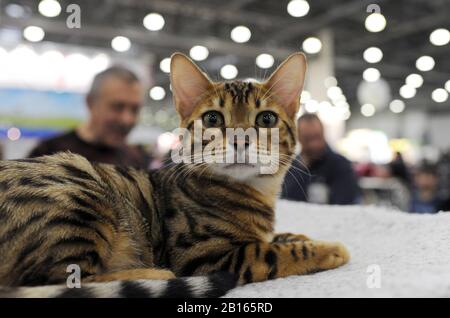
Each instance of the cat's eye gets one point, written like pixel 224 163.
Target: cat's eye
pixel 213 119
pixel 266 119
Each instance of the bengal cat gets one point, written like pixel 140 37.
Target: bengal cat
pixel 145 234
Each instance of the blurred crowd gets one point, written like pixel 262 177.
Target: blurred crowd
pixel 318 173
pixel 422 188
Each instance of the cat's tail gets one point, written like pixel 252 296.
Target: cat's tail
pixel 211 286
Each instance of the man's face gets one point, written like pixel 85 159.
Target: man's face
pixel 311 138
pixel 115 111
pixel 426 181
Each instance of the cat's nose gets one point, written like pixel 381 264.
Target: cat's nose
pixel 242 143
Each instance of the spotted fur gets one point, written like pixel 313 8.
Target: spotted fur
pixel 175 232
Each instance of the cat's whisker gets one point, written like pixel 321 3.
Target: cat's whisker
pixel 264 77
pixel 216 93
pixel 205 168
pixel 122 221
pixel 298 183
pixel 299 170
pixel 272 86
pixel 301 163
pixel 191 169
pixel 174 171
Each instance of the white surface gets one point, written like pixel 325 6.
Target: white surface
pixel 413 252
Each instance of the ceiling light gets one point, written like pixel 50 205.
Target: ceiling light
pixel 121 44
pixel 157 93
pixel 241 34
pixel 199 53
pixel 325 106
pixel 440 37
pixel 414 80
pixel 53 57
pixel 298 8
pixel 397 106
pixel 77 61
pixel 373 55
pixel 312 106
pixel 265 60
pixel 368 110
pixel 100 62
pixel 154 22
pixel 375 22
pixel 407 91
pixel 342 104
pixel 447 86
pixel 346 114
pixel 425 63
pixel 164 65
pixel 34 34
pixel 305 96
pixel 49 8
pixel 439 95
pixel 23 53
pixel 229 71
pixel 312 45
pixel 330 81
pixel 339 99
pixel 15 11
pixel 334 92
pixel 371 74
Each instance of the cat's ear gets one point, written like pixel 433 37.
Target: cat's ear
pixel 189 83
pixel 286 83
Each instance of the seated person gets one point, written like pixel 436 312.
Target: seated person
pixel 445 205
pixel 114 102
pixel 318 174
pixel 425 197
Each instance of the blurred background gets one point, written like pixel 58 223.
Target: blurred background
pixel 378 78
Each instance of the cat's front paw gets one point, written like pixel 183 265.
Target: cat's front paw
pixel 330 255
pixel 301 237
pixel 289 237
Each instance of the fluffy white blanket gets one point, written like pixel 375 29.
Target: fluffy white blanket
pixel 394 254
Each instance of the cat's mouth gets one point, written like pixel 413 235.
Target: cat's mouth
pixel 239 165
pixel 239 171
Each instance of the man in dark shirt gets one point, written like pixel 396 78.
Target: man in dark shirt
pixel 319 174
pixel 114 102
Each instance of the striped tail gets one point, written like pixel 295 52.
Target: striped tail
pixel 211 286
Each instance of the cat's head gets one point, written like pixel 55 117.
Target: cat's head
pixel 218 106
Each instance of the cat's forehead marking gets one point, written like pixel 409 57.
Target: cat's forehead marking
pixel 239 90
pixel 217 101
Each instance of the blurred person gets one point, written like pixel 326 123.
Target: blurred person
pixel 319 174
pixel 443 168
pixel 444 205
pixel 114 101
pixel 425 198
pixel 444 180
pixel 400 170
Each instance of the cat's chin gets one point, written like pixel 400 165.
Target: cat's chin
pixel 251 175
pixel 237 171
